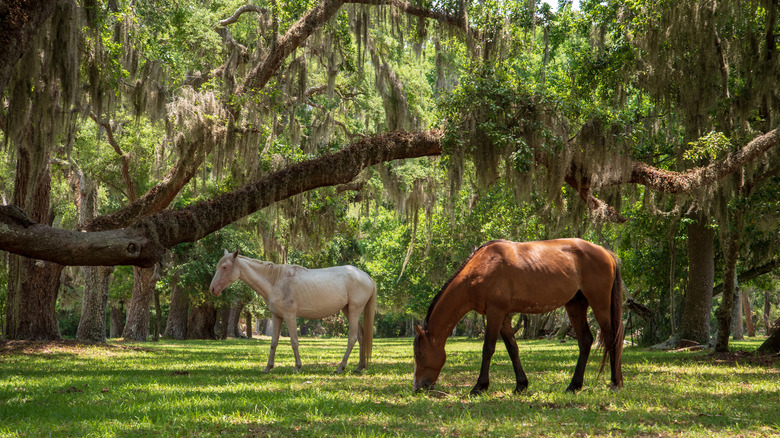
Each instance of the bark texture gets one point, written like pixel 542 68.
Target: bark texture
pixel 202 319
pixel 92 325
pixel 137 325
pixel 772 343
pixel 33 285
pixel 176 326
pixel 697 303
pixel 116 317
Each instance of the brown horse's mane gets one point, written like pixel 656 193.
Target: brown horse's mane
pixel 457 272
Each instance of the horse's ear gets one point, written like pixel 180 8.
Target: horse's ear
pixel 226 252
pixel 420 331
pixel 235 254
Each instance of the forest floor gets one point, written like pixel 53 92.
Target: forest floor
pixel 216 388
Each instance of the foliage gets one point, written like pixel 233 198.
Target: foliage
pixel 215 388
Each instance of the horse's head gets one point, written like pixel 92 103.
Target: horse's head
pixel 429 359
pixel 226 273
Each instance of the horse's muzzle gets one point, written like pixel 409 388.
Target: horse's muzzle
pixel 419 386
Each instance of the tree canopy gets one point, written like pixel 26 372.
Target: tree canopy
pixel 289 118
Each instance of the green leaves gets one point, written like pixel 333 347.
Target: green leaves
pixel 711 146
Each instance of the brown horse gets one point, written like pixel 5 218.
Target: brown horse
pixel 502 278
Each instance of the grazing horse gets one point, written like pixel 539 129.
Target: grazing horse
pixel 502 278
pixel 291 291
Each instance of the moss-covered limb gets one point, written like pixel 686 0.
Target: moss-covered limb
pixel 143 243
pixel 459 21
pixel 199 220
pixel 302 29
pixel 693 179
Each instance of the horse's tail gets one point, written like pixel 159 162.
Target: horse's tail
pixel 615 348
pixel 368 327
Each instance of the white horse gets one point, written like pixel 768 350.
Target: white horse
pixel 291 291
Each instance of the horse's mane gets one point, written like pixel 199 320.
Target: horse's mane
pixel 270 269
pixel 446 285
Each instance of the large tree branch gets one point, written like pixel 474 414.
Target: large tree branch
pixel 302 29
pixel 143 243
pixel 316 17
pixel 694 179
pixel 159 196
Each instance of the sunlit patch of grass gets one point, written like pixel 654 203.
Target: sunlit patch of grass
pixel 206 388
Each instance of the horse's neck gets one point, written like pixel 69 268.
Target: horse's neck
pixel 448 311
pixel 259 276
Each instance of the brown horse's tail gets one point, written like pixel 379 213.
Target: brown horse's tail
pixel 615 347
pixel 368 329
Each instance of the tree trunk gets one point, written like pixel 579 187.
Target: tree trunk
pixel 33 285
pixel 137 325
pixel 202 319
pixel 92 325
pixel 176 327
pixel 772 343
pixel 731 245
pixel 248 316
pixel 751 329
pixel 234 317
pixel 223 315
pixel 157 315
pixel 767 310
pixel 736 316
pixel 697 303
pixel 117 317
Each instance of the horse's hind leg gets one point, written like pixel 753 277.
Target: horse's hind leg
pixel 353 318
pixel 276 326
pixel 492 329
pixel 577 308
pixel 508 335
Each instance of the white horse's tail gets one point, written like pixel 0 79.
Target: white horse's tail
pixel 368 328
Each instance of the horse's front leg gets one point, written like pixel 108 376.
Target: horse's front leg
pixel 508 335
pixel 353 319
pixel 488 348
pixel 276 326
pixel 292 327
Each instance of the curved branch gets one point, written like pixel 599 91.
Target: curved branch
pixel 236 15
pixel 316 17
pixel 143 243
pixel 302 29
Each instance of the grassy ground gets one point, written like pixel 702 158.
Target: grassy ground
pixel 216 388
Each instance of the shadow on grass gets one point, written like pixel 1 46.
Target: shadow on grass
pixel 200 388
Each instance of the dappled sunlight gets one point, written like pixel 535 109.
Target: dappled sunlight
pixel 207 386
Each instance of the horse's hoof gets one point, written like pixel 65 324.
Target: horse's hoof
pixel 266 370
pixel 339 370
pixel 520 389
pixel 572 389
pixel 477 390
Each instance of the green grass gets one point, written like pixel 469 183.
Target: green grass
pixel 215 388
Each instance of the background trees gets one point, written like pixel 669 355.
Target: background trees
pixel 283 121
